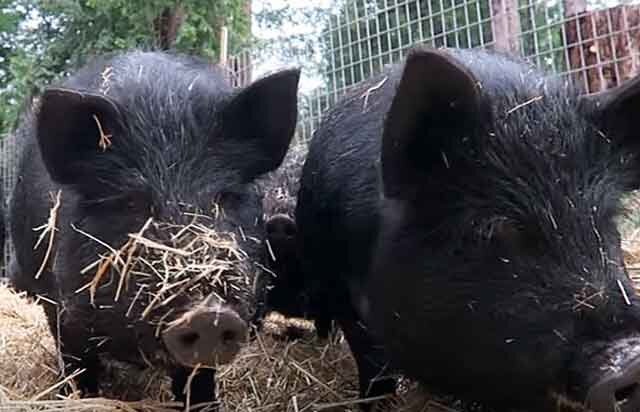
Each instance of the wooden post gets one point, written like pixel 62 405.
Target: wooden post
pixel 247 64
pixel 224 45
pixel 574 7
pixel 506 25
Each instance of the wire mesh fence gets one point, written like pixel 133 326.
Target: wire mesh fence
pixel 8 169
pixel 596 43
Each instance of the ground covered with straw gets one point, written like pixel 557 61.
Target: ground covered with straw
pixel 271 374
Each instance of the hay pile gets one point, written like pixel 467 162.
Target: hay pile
pixel 27 350
pixel 29 376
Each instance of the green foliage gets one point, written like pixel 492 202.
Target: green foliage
pixel 297 43
pixel 201 28
pixel 41 39
pixel 542 38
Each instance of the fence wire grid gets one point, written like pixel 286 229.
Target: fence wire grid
pixel 594 42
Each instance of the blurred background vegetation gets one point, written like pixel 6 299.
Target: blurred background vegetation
pixel 41 40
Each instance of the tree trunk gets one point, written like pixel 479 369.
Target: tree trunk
pixel 167 25
pixel 247 11
pixel 240 65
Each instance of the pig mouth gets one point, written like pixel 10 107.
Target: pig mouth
pixel 618 390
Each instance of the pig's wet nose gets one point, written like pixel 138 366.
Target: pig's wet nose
pixel 207 337
pixel 618 391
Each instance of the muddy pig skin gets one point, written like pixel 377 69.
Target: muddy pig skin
pixel 136 136
pixel 456 216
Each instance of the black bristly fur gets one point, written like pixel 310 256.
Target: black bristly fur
pixel 180 141
pixel 489 259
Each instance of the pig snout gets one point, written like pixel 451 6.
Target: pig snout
pixel 208 336
pixel 618 389
pixel 617 392
pixel 281 227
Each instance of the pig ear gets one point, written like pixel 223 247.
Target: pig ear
pixel 437 101
pixel 69 134
pixel 615 111
pixel 263 116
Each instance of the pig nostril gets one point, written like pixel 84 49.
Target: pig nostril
pixel 190 338
pixel 623 394
pixel 228 336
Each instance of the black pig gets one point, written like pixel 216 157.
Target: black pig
pixel 286 293
pixel 136 136
pixel 457 214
